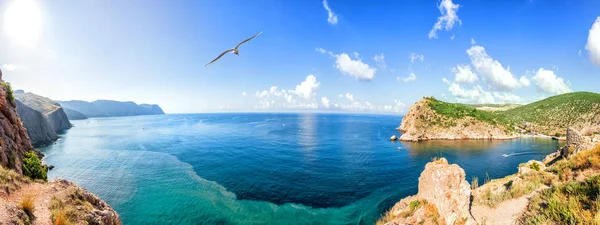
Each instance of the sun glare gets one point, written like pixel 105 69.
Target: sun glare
pixel 23 22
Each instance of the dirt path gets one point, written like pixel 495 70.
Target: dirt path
pixel 41 194
pixel 507 212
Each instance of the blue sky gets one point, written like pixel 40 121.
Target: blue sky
pixel 155 52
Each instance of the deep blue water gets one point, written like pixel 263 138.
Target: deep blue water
pixel 262 168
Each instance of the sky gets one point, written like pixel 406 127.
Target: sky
pixel 326 56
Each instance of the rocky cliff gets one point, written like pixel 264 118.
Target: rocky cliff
pixel 443 197
pixel 38 128
pixel 54 113
pixel 74 115
pixel 423 122
pixel 14 141
pixel 108 108
pixel 24 200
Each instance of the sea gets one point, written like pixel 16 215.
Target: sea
pixel 263 168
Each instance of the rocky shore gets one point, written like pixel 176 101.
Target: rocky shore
pixel 446 197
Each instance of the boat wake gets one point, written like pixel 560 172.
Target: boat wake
pixel 520 153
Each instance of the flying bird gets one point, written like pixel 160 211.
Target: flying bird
pixel 234 50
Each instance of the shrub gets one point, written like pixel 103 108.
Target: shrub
pixel 32 167
pixel 9 91
pixel 535 166
pixel 28 205
pixel 414 205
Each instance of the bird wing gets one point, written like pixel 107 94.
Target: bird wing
pixel 221 55
pixel 244 41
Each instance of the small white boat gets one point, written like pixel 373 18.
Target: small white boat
pixel 504 155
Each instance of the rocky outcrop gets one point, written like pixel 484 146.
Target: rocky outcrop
pixel 54 113
pixel 14 141
pixel 108 108
pixel 575 143
pixel 38 129
pixel 442 186
pixel 422 123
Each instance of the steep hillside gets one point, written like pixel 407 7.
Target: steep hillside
pixel 53 112
pixel 38 128
pixel 14 141
pixel 430 118
pixel 108 108
pixel 552 115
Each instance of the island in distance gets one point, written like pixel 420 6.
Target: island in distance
pixel 77 109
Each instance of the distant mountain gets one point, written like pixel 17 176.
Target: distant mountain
pixel 109 108
pixel 41 116
pixel 74 115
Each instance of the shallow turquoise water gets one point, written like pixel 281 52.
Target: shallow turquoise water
pixel 262 168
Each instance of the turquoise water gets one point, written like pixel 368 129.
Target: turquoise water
pixel 262 168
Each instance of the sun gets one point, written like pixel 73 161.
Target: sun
pixel 23 22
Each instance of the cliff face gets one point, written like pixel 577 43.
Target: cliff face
pixel 54 113
pixel 444 196
pixel 108 108
pixel 14 141
pixel 38 128
pixel 421 123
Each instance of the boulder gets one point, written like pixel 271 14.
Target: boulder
pixel 575 143
pixel 393 138
pixel 441 186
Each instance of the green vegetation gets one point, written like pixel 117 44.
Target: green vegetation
pixel 556 113
pixel 32 167
pixel 459 111
pixel 474 183
pixel 573 202
pixel 550 116
pixel 535 166
pixel 9 90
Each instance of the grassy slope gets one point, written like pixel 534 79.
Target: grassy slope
pixel 558 111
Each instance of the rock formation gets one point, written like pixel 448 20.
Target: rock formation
pixel 108 108
pixel 14 141
pixel 53 111
pixel 38 128
pixel 421 123
pixel 575 143
pixel 442 187
pixel 74 115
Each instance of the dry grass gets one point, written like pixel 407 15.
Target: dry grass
pixel 589 159
pixel 513 187
pixel 27 204
pixel 568 203
pixel 10 180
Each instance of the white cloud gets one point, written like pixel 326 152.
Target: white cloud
pixel 464 75
pixel 473 41
pixel 593 42
pixel 350 96
pixel 416 57
pixel 507 97
pixel 448 18
pixel 9 67
pixel 411 77
pixel 546 81
pixel 445 80
pixel 244 94
pixel 307 87
pixel 331 16
pixel 325 102
pixel 380 60
pixel 475 95
pixel 495 75
pixel 397 107
pixel 321 50
pixel 452 38
pixel 355 68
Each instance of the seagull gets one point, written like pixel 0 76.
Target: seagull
pixel 234 50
